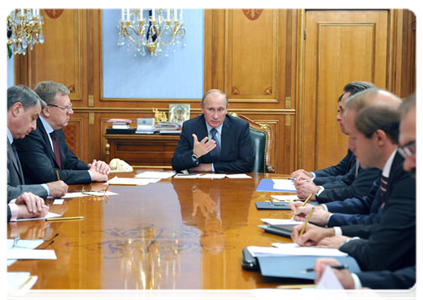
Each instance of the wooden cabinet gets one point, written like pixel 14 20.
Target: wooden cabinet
pixel 146 151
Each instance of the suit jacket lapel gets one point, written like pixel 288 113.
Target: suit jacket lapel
pixel 226 138
pixel 15 162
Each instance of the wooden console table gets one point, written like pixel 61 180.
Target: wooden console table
pixel 142 150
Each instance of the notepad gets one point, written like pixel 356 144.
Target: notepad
pixel 49 215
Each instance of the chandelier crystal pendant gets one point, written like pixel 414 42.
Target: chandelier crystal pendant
pixel 162 30
pixel 24 28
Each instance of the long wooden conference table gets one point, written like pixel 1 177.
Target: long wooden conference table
pixel 174 234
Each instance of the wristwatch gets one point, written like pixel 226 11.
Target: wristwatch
pixel 195 159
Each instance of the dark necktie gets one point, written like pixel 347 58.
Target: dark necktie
pixel 56 148
pixel 216 151
pixel 383 189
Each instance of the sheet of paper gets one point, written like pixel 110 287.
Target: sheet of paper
pixel 284 184
pixel 153 174
pixel 292 249
pixel 285 197
pixel 14 281
pixel 186 176
pixel 131 181
pixel 212 176
pixel 74 195
pixel 329 287
pixel 49 215
pixel 238 176
pixel 25 289
pixel 25 244
pixel 281 222
pixel 58 201
pixel 9 262
pixel 19 253
pixel 100 193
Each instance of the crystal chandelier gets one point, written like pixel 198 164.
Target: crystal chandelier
pixel 24 27
pixel 162 29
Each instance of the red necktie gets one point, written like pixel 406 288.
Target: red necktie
pixel 56 148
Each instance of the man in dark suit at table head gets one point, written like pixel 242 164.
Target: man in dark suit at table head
pixel 45 152
pixel 214 141
pixel 23 109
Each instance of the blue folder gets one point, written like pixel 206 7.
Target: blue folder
pixel 293 266
pixel 266 185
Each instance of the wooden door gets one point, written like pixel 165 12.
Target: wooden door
pixel 340 47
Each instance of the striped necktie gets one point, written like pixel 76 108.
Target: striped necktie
pixel 56 148
pixel 216 151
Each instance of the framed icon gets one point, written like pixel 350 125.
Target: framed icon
pixel 179 113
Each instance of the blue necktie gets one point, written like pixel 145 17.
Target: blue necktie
pixel 216 151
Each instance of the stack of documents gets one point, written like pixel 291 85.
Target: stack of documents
pixel 20 281
pixel 328 288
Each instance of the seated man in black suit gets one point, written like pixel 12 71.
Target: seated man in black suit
pixel 404 278
pixel 45 150
pixel 391 243
pixel 344 180
pixel 214 141
pixel 23 109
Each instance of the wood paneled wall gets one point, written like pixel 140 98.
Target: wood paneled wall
pixel 257 57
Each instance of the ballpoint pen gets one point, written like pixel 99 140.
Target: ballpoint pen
pixel 304 203
pixel 306 221
pixel 337 267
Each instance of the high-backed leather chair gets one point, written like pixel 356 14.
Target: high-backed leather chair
pixel 263 138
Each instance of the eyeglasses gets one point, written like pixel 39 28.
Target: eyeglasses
pixel 66 108
pixel 408 149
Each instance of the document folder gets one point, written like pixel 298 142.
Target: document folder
pixel 293 266
pixel 272 205
pixel 266 185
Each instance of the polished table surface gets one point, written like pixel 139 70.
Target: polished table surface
pixel 174 234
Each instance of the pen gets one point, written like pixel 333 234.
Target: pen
pixel 337 267
pixel 65 218
pixel 57 173
pixel 304 203
pixel 26 282
pixel 306 221
pixel 16 240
